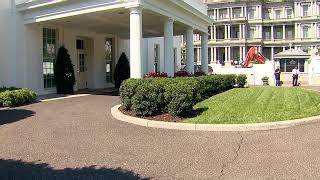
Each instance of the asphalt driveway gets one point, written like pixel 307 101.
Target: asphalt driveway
pixel 78 138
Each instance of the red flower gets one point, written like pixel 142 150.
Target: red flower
pixel 156 75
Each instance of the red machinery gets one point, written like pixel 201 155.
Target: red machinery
pixel 254 54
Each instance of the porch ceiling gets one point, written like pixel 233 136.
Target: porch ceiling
pixel 118 22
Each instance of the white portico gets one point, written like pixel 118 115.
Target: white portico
pixel 83 26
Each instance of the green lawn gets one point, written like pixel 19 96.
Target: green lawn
pixel 257 105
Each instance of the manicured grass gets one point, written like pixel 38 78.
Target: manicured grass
pixel 257 105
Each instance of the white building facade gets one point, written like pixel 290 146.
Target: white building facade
pixel 272 26
pixel 95 33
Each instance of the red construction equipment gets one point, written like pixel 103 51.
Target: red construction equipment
pixel 254 54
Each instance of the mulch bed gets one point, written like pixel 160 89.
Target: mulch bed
pixel 165 117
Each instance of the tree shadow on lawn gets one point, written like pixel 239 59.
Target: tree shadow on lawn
pixel 20 170
pixel 13 115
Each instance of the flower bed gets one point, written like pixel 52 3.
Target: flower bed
pixel 176 96
pixel 11 97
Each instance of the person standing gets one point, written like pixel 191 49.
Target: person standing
pixel 277 75
pixel 295 76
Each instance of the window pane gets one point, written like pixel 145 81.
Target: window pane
pixel 49 55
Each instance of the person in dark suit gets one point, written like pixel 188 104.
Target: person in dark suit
pixel 277 75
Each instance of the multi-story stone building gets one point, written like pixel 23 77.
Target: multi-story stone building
pixel 270 25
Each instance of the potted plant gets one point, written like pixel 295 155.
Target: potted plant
pixel 265 80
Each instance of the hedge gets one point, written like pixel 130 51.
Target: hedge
pixel 12 98
pixel 3 89
pixel 177 96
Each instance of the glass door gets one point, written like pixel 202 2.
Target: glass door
pixel 109 51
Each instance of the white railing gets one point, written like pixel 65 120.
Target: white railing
pixel 197 4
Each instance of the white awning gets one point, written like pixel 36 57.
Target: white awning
pixel 292 54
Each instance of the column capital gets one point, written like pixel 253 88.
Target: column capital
pixel 136 10
pixel 190 30
pixel 170 19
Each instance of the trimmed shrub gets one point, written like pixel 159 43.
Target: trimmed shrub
pixel 3 89
pixel 176 96
pixel 122 70
pixel 148 99
pixel 156 75
pixel 127 91
pixel 182 74
pixel 63 72
pixel 181 96
pixel 241 80
pixel 199 73
pixel 17 97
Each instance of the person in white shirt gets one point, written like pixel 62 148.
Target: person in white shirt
pixel 295 76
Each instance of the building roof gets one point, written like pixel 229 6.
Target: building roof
pixel 292 54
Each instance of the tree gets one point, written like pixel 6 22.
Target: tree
pixel 122 71
pixel 63 72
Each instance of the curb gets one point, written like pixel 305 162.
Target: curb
pixel 6 108
pixel 116 113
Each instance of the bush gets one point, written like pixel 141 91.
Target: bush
pixel 156 75
pixel 63 72
pixel 176 96
pixel 3 89
pixel 17 97
pixel 182 74
pixel 199 73
pixel 122 71
pixel 127 91
pixel 241 80
pixel 180 97
pixel 148 99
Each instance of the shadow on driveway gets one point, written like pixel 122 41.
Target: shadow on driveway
pixel 20 170
pixel 13 115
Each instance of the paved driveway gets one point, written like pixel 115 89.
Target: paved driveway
pixel 79 134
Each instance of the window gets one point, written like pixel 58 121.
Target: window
pixel 287 65
pixel 223 13
pixel 267 35
pixel 209 55
pixel 49 40
pixel 278 14
pixel 157 58
pixel 236 12
pixel 289 13
pixel 252 31
pixel 80 44
pixel 267 14
pixel 305 31
pixel 290 34
pixel 305 10
pixel 109 54
pixel 278 35
pixel 251 12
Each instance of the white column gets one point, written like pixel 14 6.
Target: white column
pixel 215 54
pixel 225 54
pixel 244 53
pixel 190 51
pixel 244 31
pixel 204 52
pixel 240 31
pixel 168 47
pixel 198 55
pixel 240 53
pixel 242 12
pixel 283 48
pixel 231 12
pixel 284 32
pixel 211 32
pixel 225 31
pixel 215 32
pixel 272 53
pixel 272 32
pixel 229 53
pixel 212 56
pixel 136 43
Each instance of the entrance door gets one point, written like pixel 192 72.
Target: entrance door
pixel 82 71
